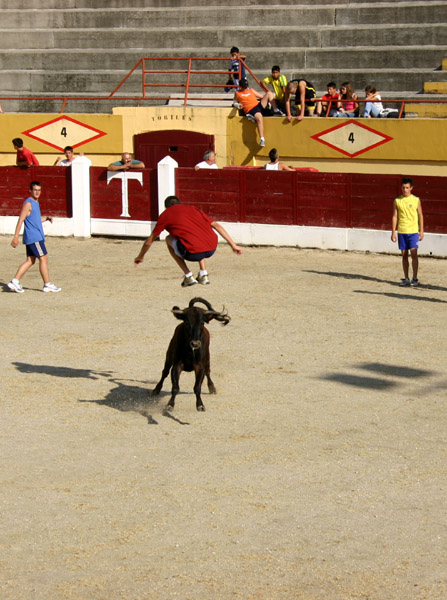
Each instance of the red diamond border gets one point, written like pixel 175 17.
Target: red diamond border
pixel 386 138
pixel 98 132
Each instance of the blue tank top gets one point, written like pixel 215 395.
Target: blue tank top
pixel 33 224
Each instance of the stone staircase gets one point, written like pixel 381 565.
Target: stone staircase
pixel 83 48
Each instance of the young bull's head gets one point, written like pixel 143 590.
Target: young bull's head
pixel 195 317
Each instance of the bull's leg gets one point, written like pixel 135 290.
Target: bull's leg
pixel 175 376
pixel 165 373
pixel 211 386
pixel 200 374
pixel 166 369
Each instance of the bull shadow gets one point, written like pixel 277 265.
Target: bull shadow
pixel 134 398
pixel 124 397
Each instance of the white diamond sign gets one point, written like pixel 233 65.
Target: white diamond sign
pixel 352 138
pixel 64 131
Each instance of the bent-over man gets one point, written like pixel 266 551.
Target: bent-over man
pixel 191 237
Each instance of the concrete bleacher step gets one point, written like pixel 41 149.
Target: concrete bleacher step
pixel 86 47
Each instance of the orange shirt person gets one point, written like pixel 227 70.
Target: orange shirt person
pixel 253 103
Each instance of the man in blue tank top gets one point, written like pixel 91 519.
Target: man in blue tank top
pixel 34 239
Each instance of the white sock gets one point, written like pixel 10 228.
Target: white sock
pixel 202 273
pixel 189 274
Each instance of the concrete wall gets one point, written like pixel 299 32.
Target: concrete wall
pixel 86 48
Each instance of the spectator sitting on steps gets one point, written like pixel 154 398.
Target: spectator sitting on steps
pixel 328 102
pixel 208 162
pixel 278 83
pixel 253 104
pixel 374 106
pixel 126 163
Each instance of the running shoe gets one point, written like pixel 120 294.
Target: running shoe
pixel 50 287
pixel 14 285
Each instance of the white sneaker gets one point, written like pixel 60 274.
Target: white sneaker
pixel 262 142
pixel 203 279
pixel 50 287
pixel 187 281
pixel 14 285
pixel 251 118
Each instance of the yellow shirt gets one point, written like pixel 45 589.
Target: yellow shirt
pixel 407 211
pixel 278 85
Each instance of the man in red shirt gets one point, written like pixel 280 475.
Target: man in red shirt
pixel 328 102
pixel 25 158
pixel 253 103
pixel 192 238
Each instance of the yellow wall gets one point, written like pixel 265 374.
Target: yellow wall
pixel 212 121
pixel 417 146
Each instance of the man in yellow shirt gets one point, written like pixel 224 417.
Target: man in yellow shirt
pixel 278 83
pixel 409 223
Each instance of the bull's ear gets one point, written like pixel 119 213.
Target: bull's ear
pixel 178 313
pixel 208 315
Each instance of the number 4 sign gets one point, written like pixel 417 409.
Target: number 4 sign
pixel 352 138
pixel 64 131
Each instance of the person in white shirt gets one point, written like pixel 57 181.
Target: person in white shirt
pixel 274 164
pixel 373 106
pixel 69 157
pixel 208 162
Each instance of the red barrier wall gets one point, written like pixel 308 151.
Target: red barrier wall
pixel 106 199
pixel 305 198
pixel 346 200
pixel 56 189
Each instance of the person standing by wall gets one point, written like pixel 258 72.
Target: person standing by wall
pixel 409 223
pixel 34 239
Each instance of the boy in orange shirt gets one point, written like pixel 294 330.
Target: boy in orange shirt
pixel 253 103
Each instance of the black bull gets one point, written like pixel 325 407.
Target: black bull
pixel 189 349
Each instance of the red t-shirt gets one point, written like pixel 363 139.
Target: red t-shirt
pixel 334 98
pixel 25 154
pixel 189 225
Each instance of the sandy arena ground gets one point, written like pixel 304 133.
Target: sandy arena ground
pixel 317 472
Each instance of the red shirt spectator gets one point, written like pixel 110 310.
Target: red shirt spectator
pixel 25 158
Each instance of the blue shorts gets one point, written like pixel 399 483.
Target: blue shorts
pixel 181 251
pixel 408 241
pixel 37 249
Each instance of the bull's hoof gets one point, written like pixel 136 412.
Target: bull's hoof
pixel 169 408
pixel 212 389
pixel 155 392
pixel 201 408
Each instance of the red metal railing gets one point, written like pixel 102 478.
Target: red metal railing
pixel 188 71
pixel 186 84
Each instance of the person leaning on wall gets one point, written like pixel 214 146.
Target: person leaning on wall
pixel 126 163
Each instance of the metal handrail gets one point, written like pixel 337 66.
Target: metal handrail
pixel 187 85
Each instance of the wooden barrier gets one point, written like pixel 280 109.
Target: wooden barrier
pixel 313 199
pixel 347 200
